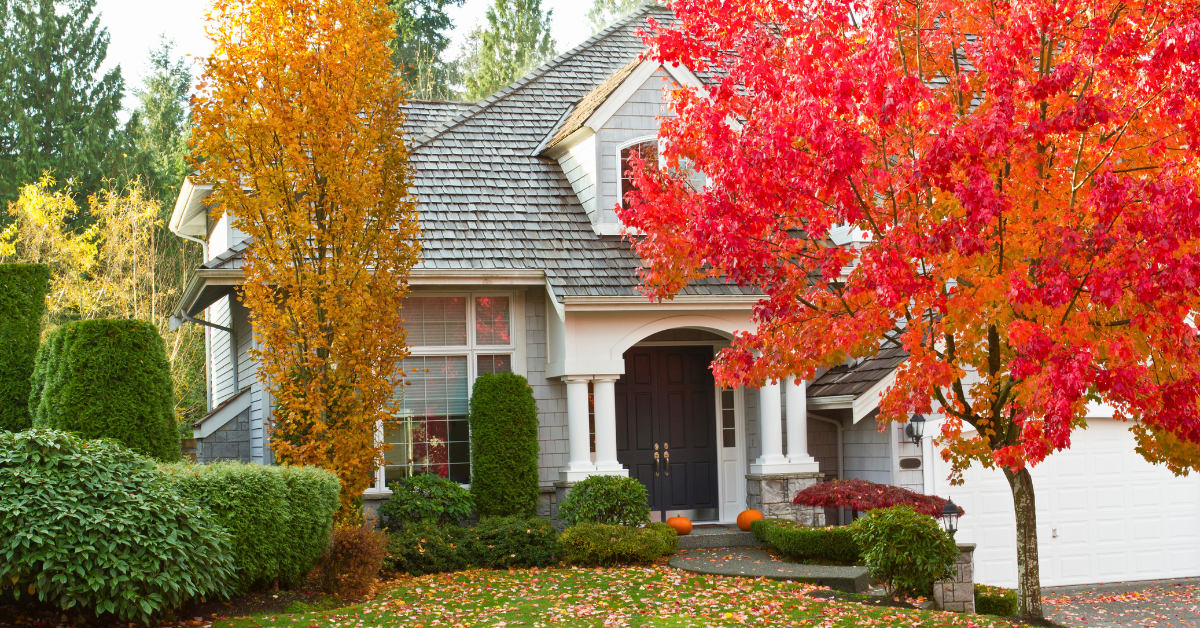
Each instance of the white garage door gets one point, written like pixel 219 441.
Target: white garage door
pixel 1104 514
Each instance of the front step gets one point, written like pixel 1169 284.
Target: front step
pixel 716 537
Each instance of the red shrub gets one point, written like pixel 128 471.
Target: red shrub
pixel 864 496
pixel 352 560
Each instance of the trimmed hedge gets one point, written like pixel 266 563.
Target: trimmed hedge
pixel 425 497
pixel 279 516
pixel 92 525
pixel 424 547
pixel 905 550
pixel 503 542
pixel 610 499
pixel 834 544
pixel 601 544
pixel 504 446
pixel 995 601
pixel 107 379
pixel 23 289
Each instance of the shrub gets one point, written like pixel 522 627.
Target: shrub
pixel 834 544
pixel 107 379
pixel 352 560
pixel 425 497
pixel 995 601
pixel 424 547
pixel 504 446
pixel 74 513
pixel 866 496
pixel 905 550
pixel 502 542
pixel 23 290
pixel 608 499
pixel 279 517
pixel 596 544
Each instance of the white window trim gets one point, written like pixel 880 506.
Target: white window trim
pixel 471 350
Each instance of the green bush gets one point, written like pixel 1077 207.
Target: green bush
pixel 607 499
pixel 23 290
pixel 598 544
pixel 425 497
pixel 504 446
pixel 279 517
pixel 424 547
pixel 92 525
pixel 905 550
pixel 502 542
pixel 835 544
pixel 995 601
pixel 107 379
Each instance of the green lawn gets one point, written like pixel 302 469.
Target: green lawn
pixel 656 596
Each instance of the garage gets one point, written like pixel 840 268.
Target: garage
pixel 1104 514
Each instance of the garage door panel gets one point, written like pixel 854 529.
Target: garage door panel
pixel 1110 531
pixel 1068 499
pixel 1108 498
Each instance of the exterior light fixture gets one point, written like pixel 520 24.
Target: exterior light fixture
pixel 915 429
pixel 950 515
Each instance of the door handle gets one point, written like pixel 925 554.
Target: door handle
pixel 655 459
pixel 666 463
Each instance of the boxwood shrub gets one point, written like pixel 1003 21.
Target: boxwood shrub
pixel 107 379
pixel 279 517
pixel 905 550
pixel 503 542
pixel 23 290
pixel 608 499
pixel 424 547
pixel 600 544
pixel 834 544
pixel 91 525
pixel 504 446
pixel 995 601
pixel 425 497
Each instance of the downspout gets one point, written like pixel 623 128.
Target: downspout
pixel 208 374
pixel 841 454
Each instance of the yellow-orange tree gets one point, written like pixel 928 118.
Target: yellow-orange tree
pixel 298 129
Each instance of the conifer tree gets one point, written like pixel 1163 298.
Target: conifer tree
pixel 517 39
pixel 57 111
pixel 605 12
pixel 421 39
pixel 158 128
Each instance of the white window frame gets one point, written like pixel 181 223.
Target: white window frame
pixel 472 350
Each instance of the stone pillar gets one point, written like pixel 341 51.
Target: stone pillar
pixel 770 427
pixel 771 494
pixel 604 396
pixel 579 461
pixel 958 593
pixel 797 422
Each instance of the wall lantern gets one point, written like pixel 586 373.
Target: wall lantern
pixel 950 515
pixel 915 429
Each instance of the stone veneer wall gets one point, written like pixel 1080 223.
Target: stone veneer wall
pixel 958 593
pixel 772 496
pixel 230 442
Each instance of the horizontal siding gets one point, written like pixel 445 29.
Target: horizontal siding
pixel 579 166
pixel 222 366
pixel 867 452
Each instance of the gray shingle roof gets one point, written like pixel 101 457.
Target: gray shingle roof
pixel 858 378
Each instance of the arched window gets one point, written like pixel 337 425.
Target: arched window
pixel 647 149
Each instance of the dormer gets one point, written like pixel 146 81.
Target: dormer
pixel 595 138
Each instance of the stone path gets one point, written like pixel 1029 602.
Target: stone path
pixel 756 563
pixel 1148 604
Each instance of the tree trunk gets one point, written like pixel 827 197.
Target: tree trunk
pixel 1029 584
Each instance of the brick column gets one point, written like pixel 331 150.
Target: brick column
pixel 958 593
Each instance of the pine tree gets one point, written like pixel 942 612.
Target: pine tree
pixel 516 40
pixel 421 39
pixel 158 128
pixel 605 12
pixel 57 112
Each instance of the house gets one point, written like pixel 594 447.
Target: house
pixel 524 270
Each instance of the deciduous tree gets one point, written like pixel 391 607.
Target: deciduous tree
pixel 298 128
pixel 1020 183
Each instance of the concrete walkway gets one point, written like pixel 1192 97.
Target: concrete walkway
pixel 756 563
pixel 1149 603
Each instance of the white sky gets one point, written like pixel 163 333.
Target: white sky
pixel 134 27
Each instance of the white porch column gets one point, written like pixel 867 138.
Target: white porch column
pixel 797 421
pixel 770 428
pixel 604 396
pixel 579 462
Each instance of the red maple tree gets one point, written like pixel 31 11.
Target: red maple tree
pixel 862 495
pixel 1016 186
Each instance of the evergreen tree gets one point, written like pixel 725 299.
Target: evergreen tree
pixel 421 39
pixel 57 112
pixel 605 12
pixel 158 128
pixel 517 38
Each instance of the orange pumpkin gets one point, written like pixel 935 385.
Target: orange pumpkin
pixel 682 525
pixel 746 518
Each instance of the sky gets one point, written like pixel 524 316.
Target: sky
pixel 134 27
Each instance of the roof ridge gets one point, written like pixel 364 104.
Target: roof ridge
pixel 536 73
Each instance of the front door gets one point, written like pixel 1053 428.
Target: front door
pixel 666 429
